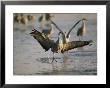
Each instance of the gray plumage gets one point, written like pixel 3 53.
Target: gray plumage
pixel 82 30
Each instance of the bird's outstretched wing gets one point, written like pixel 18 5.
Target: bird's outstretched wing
pixel 72 28
pixel 57 26
pixel 45 42
pixel 75 44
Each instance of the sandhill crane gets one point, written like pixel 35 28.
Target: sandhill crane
pixel 24 19
pixel 82 30
pixel 31 17
pixel 47 43
pixel 45 24
pixel 45 16
pixel 17 18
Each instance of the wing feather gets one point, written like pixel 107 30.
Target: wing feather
pixel 72 28
pixel 75 44
pixel 57 26
pixel 45 42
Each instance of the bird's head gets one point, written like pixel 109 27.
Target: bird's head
pixel 65 33
pixel 84 19
pixel 59 33
pixel 33 32
pixel 48 16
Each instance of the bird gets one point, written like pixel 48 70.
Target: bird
pixel 56 47
pixel 17 18
pixel 82 30
pixel 31 17
pixel 45 16
pixel 45 24
pixel 24 19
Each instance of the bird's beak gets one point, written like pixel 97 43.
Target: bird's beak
pixel 32 33
pixel 59 33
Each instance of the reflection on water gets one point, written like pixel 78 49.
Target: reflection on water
pixel 31 59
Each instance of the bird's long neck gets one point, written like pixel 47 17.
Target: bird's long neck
pixel 63 38
pixel 83 23
pixel 43 17
pixel 66 39
pixel 59 38
pixel 84 26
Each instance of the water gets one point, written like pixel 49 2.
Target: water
pixel 31 59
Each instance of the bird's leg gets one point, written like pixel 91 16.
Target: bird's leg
pixel 48 54
pixel 80 38
pixel 53 58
